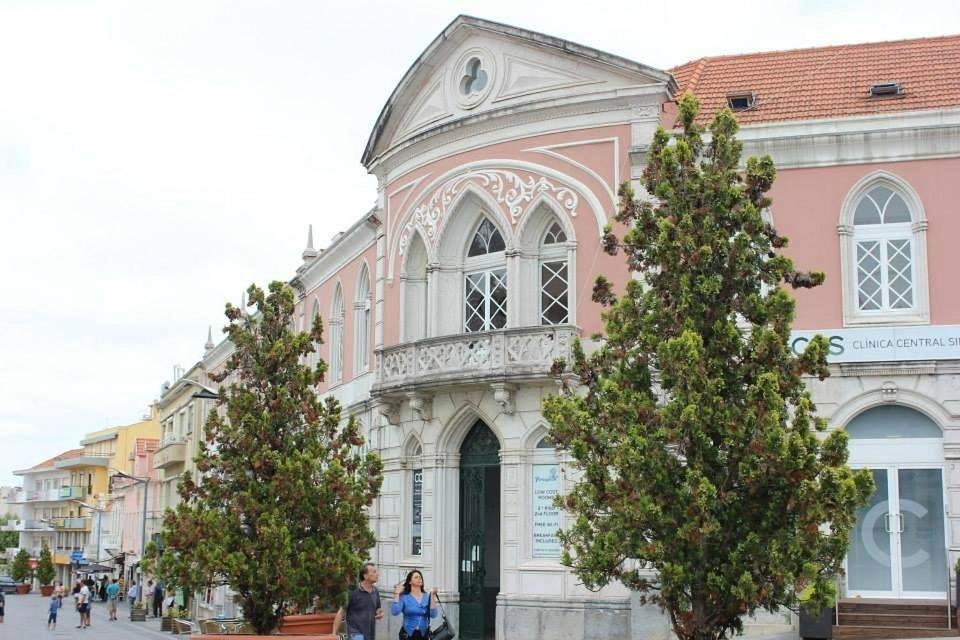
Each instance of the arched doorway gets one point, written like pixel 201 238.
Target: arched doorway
pixel 898 546
pixel 479 568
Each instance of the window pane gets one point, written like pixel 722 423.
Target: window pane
pixel 475 299
pixel 498 299
pixel 553 292
pixel 896 211
pixel 554 235
pixel 899 274
pixel 486 240
pixel 868 275
pixel 867 212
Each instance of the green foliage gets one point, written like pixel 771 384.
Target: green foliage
pixel 704 486
pixel 9 539
pixel 279 511
pixel 45 571
pixel 20 570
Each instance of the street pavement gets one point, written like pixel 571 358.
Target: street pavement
pixel 26 619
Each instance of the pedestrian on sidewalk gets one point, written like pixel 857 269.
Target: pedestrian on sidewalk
pixel 113 594
pixel 363 608
pixel 55 605
pixel 417 607
pixel 3 604
pixel 157 600
pixel 83 606
pixel 133 593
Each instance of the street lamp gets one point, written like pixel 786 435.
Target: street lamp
pixel 143 522
pixel 99 523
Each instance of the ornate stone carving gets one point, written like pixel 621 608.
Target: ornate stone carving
pixel 503 395
pixel 527 350
pixel 889 391
pixel 515 191
pixel 421 405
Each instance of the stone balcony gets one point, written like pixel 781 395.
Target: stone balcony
pixel 503 356
pixel 170 454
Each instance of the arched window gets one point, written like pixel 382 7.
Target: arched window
pixel 336 337
pixel 315 356
pixel 361 323
pixel 485 280
pixel 554 277
pixel 883 234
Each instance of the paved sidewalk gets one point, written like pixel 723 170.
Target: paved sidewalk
pixel 26 619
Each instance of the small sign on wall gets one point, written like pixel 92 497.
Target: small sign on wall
pixel 546 515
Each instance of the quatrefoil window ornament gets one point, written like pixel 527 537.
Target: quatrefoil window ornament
pixel 475 78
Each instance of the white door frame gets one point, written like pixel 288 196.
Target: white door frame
pixel 891 455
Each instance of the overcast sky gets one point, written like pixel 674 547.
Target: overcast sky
pixel 157 157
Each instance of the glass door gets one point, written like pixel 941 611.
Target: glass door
pixel 898 546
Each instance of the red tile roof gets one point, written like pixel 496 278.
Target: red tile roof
pixel 66 455
pixel 828 82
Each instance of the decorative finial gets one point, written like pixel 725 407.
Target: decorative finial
pixel 208 347
pixel 310 253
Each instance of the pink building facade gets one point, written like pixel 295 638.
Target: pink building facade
pixel 498 158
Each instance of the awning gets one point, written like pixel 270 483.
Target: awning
pixel 95 568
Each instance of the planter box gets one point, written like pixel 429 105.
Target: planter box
pixel 138 615
pixel 23 589
pixel 816 626
pixel 310 623
pixel 166 623
pixel 46 591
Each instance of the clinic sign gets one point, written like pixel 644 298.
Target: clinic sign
pixel 885 344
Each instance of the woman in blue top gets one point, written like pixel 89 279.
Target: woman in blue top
pixel 416 606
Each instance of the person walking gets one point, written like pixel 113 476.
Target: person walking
pixel 157 600
pixel 113 594
pixel 416 606
pixel 363 607
pixel 133 593
pixel 3 604
pixel 83 606
pixel 55 604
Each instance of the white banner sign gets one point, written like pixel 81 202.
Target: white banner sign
pixel 546 515
pixel 879 344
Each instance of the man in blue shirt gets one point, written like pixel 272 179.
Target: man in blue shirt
pixel 113 594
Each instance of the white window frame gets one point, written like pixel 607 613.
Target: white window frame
pixel 555 252
pixel 337 321
pixel 484 264
pixel 915 230
pixel 361 324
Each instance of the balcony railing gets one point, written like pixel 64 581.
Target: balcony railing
pixel 510 353
pixel 46 495
pixel 171 453
pixel 72 492
pixel 74 524
pixel 27 525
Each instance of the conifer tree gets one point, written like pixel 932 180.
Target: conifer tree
pixel 702 483
pixel 45 571
pixel 279 510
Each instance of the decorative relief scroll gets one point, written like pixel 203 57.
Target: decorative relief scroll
pixel 514 191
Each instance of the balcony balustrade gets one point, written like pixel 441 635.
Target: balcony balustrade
pixel 27 525
pixel 521 353
pixel 67 493
pixel 73 524
pixel 45 495
pixel 173 452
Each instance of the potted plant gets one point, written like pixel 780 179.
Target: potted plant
pixel 279 510
pixel 45 572
pixel 21 571
pixel 816 616
pixel 138 612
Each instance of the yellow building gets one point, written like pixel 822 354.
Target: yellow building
pixel 88 527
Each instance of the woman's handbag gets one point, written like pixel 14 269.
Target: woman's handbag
pixel 444 631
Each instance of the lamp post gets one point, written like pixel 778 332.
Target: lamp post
pixel 143 522
pixel 99 524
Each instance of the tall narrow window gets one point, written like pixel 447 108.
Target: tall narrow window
pixel 883 248
pixel 336 338
pixel 554 278
pixel 315 356
pixel 416 520
pixel 485 281
pixel 884 252
pixel 361 323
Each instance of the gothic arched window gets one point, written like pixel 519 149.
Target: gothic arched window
pixel 485 280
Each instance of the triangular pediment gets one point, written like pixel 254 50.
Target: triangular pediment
pixel 479 67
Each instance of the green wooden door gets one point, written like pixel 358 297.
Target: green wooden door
pixel 479 526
